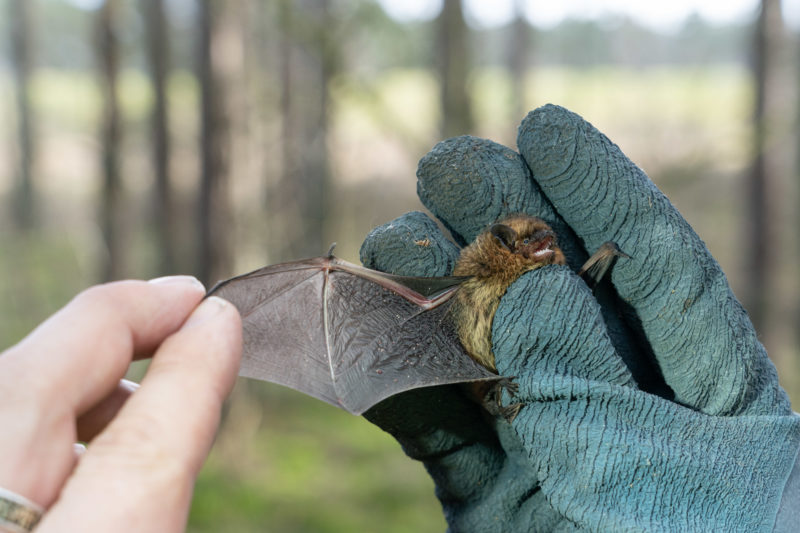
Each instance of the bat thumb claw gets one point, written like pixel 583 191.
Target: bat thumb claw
pixel 600 262
pixel 614 249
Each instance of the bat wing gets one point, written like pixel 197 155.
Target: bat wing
pixel 346 334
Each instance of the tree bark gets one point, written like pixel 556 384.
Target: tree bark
pixel 158 50
pixel 454 68
pixel 212 203
pixel 111 201
pixel 308 61
pixel 518 56
pixel 758 228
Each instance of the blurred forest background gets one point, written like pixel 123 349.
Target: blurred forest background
pixel 147 137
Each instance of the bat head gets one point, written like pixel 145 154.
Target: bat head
pixel 527 236
pixel 509 248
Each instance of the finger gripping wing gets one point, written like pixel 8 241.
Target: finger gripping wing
pixel 345 334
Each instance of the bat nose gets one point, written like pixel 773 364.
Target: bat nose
pixel 543 234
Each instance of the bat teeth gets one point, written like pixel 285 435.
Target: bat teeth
pixel 544 252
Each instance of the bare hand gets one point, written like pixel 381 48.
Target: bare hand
pixel 63 384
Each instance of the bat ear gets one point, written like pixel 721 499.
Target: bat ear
pixel 504 235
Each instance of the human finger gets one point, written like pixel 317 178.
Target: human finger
pixel 138 474
pixel 69 363
pixel 77 356
pixel 93 421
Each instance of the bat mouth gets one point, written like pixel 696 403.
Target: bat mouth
pixel 542 249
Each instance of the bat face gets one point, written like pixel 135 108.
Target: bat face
pixel 508 249
pixel 528 237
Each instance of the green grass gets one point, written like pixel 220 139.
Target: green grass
pixel 285 462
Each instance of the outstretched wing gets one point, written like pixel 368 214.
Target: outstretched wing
pixel 348 335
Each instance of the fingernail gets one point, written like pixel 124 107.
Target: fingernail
pixel 79 448
pixel 131 386
pixel 178 279
pixel 208 309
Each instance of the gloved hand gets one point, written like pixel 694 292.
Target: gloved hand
pixel 651 406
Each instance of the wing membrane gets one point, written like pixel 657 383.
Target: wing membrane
pixel 345 334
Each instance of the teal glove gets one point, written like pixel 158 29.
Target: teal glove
pixel 650 407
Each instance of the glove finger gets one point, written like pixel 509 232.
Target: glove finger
pixel 410 245
pixel 470 183
pixel 548 330
pixel 700 335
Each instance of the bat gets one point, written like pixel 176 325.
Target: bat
pixel 352 336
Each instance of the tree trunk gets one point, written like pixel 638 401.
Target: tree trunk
pixel 212 206
pixel 518 56
pixel 309 58
pixel 158 63
pixel 318 173
pixel 21 43
pixel 285 189
pixel 111 202
pixel 454 68
pixel 757 204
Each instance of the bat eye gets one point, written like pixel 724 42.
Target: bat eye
pixel 526 242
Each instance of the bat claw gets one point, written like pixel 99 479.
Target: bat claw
pixel 507 384
pixel 510 412
pixel 492 399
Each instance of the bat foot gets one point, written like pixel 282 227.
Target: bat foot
pixel 510 412
pixel 507 384
pixel 492 401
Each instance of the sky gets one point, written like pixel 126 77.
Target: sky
pixel 662 15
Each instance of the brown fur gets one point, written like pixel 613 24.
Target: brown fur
pixel 492 269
